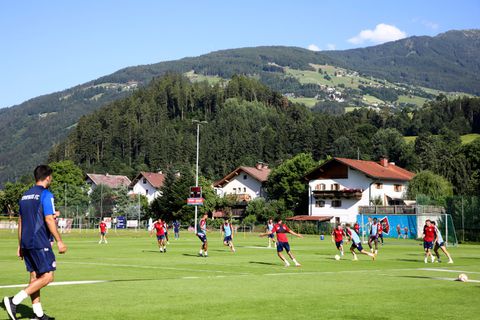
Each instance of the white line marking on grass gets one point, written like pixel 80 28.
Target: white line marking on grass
pixel 149 267
pixel 447 270
pixel 61 283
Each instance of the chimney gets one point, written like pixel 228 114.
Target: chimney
pixel 384 162
pixel 259 165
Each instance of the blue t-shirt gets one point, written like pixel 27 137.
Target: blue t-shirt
pixel 176 226
pixel 227 229
pixel 355 237
pixel 35 204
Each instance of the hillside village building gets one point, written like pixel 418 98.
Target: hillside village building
pixel 113 181
pixel 340 186
pixel 148 184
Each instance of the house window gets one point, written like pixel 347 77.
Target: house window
pixel 244 189
pixel 234 190
pixel 398 188
pixel 144 180
pixel 319 203
pixel 336 203
pixel 245 177
pixel 146 192
pixel 379 185
pixel 320 187
pixel 335 187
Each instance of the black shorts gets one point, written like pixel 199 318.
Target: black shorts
pixel 39 260
pixel 357 246
pixel 202 237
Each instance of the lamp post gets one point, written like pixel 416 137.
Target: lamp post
pixel 196 165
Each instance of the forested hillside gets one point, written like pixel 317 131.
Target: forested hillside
pixel 248 122
pixel 449 61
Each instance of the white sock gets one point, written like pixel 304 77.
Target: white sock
pixel 206 253
pixel 295 261
pixel 286 263
pixel 19 297
pixel 200 252
pixel 37 309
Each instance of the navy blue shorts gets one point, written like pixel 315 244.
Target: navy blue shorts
pixel 427 244
pixel 439 245
pixel 271 235
pixel 160 237
pixel 39 260
pixel 227 239
pixel 339 243
pixel 357 246
pixel 283 245
pixel 202 237
pixel 373 238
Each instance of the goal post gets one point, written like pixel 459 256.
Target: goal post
pixel 408 226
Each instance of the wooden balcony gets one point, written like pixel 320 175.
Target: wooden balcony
pixel 401 210
pixel 355 194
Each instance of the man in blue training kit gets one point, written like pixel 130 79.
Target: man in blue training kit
pixel 35 224
pixel 227 230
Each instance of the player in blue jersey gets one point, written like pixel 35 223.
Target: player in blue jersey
pixel 357 244
pixel 227 230
pixel 374 232
pixel 176 229
pixel 35 224
pixel 440 244
pixel 271 236
pixel 202 235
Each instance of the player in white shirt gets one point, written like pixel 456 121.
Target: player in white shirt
pixel 440 244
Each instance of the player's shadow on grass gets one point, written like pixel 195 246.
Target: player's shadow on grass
pixel 24 311
pixel 263 263
pixel 190 255
pixel 155 251
pixel 410 260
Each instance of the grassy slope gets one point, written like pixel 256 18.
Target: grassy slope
pixel 250 284
pixel 466 139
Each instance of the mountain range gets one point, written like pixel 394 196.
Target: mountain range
pixel 414 68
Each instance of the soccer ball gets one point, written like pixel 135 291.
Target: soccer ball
pixel 462 277
pixel 337 257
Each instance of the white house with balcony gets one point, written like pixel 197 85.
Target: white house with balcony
pixel 340 186
pixel 148 184
pixel 246 183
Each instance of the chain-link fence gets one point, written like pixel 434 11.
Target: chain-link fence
pixel 465 211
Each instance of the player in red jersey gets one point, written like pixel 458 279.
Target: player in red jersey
pixel 281 230
pixel 380 232
pixel 102 227
pixel 429 237
pixel 158 226
pixel 337 236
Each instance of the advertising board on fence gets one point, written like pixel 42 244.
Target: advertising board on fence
pixel 121 222
pixel 132 223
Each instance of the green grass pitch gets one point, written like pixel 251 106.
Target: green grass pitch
pixel 141 283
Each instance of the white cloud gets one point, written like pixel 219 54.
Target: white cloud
pixel 430 24
pixel 313 47
pixel 382 33
pixel 331 46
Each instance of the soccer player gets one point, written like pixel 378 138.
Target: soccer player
pixel 176 229
pixel 227 230
pixel 281 230
pixel 380 232
pixel 35 224
pixel 102 227
pixel 202 235
pixel 440 244
pixel 356 227
pixel 373 235
pixel 337 237
pixel 158 227
pixel 357 244
pixel 399 231
pixel 429 237
pixel 165 227
pixel 268 229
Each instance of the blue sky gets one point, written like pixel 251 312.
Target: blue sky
pixel 48 46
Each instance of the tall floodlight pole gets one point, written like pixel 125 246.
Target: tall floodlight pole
pixel 196 166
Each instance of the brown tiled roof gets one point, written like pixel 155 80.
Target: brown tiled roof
pixel 112 181
pixel 154 178
pixel 373 169
pixel 258 174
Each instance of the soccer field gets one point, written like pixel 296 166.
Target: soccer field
pixel 129 279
